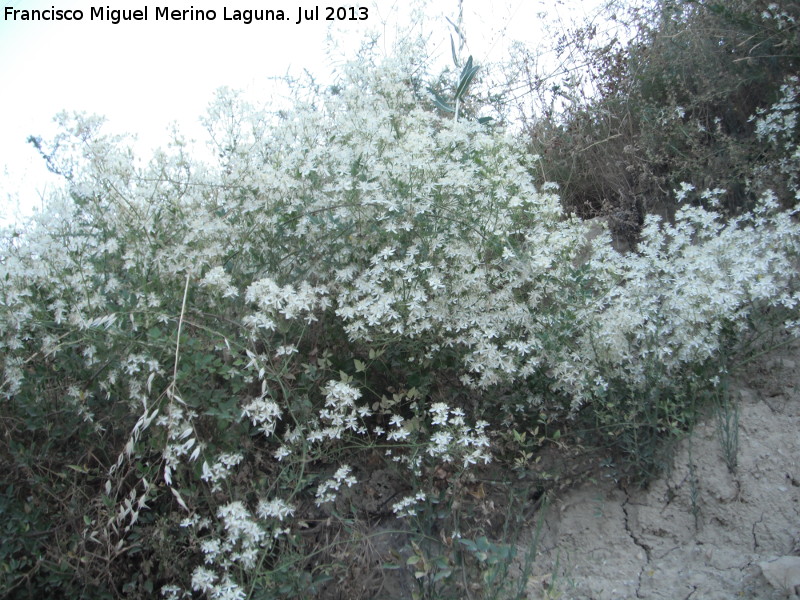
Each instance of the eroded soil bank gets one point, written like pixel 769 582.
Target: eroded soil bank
pixel 701 531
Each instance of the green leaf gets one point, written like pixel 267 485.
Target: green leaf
pixel 466 78
pixel 444 107
pixel 469 544
pixel 442 574
pixel 453 50
pixel 441 104
pixel 467 67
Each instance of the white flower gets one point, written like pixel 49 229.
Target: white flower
pixel 220 470
pixel 241 529
pixel 398 434
pixel 287 350
pixel 211 548
pixel 680 194
pixel 338 394
pixel 264 413
pixel 172 592
pixel 203 580
pixel 189 521
pixel 219 280
pixel 440 442
pixel 406 506
pixel 440 411
pixel 326 491
pixel 228 589
pixel 275 508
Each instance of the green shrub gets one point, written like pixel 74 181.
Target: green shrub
pixel 672 104
pixel 203 365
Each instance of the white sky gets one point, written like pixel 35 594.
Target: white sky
pixel 144 75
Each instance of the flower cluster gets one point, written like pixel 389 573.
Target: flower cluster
pixel 243 538
pixel 220 281
pixel 275 509
pixel 326 491
pixel 778 126
pixel 454 439
pixel 407 506
pixel 690 291
pixel 287 301
pixel 216 473
pixel 263 413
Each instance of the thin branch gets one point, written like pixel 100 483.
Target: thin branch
pixel 178 341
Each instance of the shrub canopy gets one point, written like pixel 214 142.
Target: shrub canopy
pixel 197 358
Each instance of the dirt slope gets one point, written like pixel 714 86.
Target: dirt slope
pixel 701 531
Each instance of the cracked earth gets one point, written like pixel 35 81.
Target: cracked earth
pixel 700 531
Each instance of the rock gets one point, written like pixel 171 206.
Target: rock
pixel 783 574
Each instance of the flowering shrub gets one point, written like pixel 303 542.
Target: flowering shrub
pixel 359 274
pixel 683 309
pixel 777 127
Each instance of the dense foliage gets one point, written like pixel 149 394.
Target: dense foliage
pixel 671 98
pixel 203 366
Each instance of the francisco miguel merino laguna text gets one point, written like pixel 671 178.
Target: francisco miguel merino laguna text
pixel 163 13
